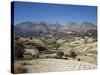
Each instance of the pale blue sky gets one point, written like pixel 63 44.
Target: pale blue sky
pixel 27 11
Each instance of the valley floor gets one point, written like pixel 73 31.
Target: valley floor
pixel 53 65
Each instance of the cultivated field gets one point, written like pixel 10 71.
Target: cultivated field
pixel 49 65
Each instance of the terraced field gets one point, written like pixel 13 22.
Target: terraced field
pixel 48 65
pixel 57 54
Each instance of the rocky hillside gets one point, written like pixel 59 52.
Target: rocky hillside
pixel 35 28
pixel 79 27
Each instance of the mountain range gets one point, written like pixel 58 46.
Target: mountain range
pixel 38 28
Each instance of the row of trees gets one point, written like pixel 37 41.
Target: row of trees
pixel 61 54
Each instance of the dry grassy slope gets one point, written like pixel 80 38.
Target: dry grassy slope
pixel 48 65
pixel 86 52
pixel 79 46
pixel 88 59
pixel 86 47
pixel 82 49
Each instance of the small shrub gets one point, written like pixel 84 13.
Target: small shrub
pixel 66 55
pixel 60 54
pixel 31 38
pixel 79 59
pixel 47 57
pixel 55 57
pixel 28 43
pixel 66 58
pixel 73 54
pixel 41 48
pixel 24 63
pixel 37 56
pixel 34 56
pixel 17 38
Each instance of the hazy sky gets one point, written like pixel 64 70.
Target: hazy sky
pixel 27 11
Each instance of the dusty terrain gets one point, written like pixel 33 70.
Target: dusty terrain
pixel 49 65
pixel 51 53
